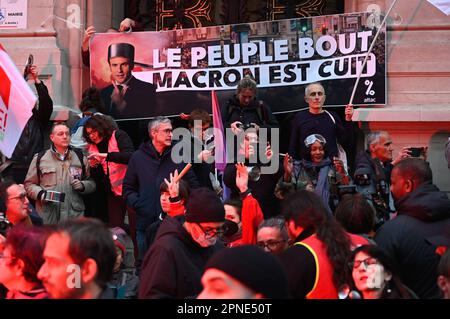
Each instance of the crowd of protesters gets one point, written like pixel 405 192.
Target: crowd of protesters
pixel 98 219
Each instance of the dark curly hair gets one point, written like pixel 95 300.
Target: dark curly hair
pixel 199 115
pixel 307 210
pixel 91 99
pixel 394 289
pixel 101 125
pixel 355 214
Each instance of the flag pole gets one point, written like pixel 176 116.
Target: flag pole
pixel 368 52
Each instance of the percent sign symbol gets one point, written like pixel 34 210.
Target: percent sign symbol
pixel 369 90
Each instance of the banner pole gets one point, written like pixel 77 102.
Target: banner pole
pixel 370 50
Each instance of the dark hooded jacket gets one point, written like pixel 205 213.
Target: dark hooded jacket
pixel 146 171
pixel 364 162
pixel 422 214
pixel 173 266
pixel 32 138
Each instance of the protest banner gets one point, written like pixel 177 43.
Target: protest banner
pixel 182 67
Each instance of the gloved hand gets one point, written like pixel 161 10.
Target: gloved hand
pixel 77 185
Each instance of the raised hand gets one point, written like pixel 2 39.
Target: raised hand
pixel 339 165
pixel 127 25
pixel 348 112
pixel 405 152
pixel 173 184
pixel 88 34
pixel 34 74
pixel 237 127
pixel 288 166
pixel 204 156
pixel 269 152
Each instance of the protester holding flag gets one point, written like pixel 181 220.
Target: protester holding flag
pixel 32 139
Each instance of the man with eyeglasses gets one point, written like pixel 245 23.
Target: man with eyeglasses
pixel 147 169
pixel 18 209
pixel 317 120
pixel 173 266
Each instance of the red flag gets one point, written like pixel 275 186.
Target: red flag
pixel 16 104
pixel 220 156
pixel 5 88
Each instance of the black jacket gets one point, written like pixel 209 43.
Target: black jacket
pixel 300 266
pixel 173 266
pixel 140 99
pixel 363 162
pixel 305 123
pixel 32 139
pixel 263 189
pixel 146 171
pixel 257 112
pixel 422 214
pixel 200 169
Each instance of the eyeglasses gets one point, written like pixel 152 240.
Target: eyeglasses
pixel 21 196
pixel 212 232
pixel 366 262
pixel 271 244
pixel 166 131
pixel 89 133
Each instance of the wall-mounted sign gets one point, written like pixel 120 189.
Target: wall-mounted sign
pixel 13 14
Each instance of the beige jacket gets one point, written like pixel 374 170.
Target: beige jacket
pixel 56 175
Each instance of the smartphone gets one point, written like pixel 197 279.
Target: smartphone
pixel 417 151
pixel 54 196
pixel 30 62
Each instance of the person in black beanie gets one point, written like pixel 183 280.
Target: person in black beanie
pixel 173 265
pixel 244 272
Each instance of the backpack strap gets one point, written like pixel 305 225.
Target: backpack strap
pixel 42 153
pixel 331 116
pixel 38 165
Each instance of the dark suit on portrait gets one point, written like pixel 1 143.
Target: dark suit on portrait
pixel 139 99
